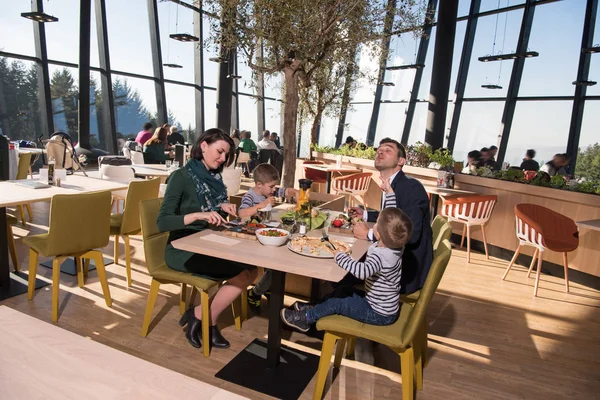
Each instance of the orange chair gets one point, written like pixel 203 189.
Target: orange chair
pixel 470 211
pixel 544 229
pixel 314 175
pixel 355 185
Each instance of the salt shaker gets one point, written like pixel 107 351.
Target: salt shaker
pixel 302 228
pixel 57 182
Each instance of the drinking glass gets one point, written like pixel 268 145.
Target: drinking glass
pixel 175 164
pixel 168 164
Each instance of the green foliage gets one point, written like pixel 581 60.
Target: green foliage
pixel 586 186
pixel 541 179
pixel 588 162
pixel 419 155
pixel 368 153
pixel 444 158
pixel 558 181
pixel 485 172
pixel 512 175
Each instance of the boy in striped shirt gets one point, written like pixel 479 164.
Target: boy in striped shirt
pixel 381 270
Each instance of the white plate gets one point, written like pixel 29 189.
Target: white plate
pixel 322 253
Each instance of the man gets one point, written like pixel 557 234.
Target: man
pixel 493 151
pixel 275 139
pixel 487 160
pixel 410 197
pixel 557 165
pixel 266 143
pixel 529 164
pixel 145 134
pixel 174 137
pixel 350 142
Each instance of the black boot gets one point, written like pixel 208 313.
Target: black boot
pixel 194 327
pixel 217 339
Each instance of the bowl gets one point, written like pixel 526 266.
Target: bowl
pixel 272 240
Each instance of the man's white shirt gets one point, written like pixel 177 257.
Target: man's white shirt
pixel 267 145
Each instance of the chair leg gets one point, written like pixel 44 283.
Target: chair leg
pixel 97 256
pixel 512 261
pixel 33 261
pixel 12 248
pixel 112 204
pixel 350 347
pixel 29 212
pixel 535 254
pixel 462 239
pixel 566 264
pixel 116 250
pixel 326 353
pixel 127 259
pixel 339 352
pixel 407 364
pixel 79 268
pixel 22 213
pixel 31 172
pixel 193 296
pixel 487 256
pixel 182 299
pixel 152 295
pixel 55 286
pixel 86 267
pixel 468 244
pixel 537 274
pixel 205 302
pixel 237 316
pixel 244 305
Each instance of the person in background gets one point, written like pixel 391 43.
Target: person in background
pixel 493 151
pixel 174 137
pixel 529 164
pixel 473 162
pixel 145 134
pixel 275 139
pixel 247 145
pixel 266 143
pixel 350 142
pixel 486 160
pixel 557 165
pixel 154 148
pixel 235 136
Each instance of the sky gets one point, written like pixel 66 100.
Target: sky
pixel 543 125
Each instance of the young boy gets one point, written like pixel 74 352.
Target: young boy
pixel 266 179
pixel 381 270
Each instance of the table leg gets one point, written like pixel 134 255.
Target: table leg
pixel 328 182
pixel 275 324
pixel 435 199
pixel 315 290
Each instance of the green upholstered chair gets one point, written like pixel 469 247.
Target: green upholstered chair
pixel 154 249
pixel 12 249
pixel 400 336
pixel 22 170
pixel 79 223
pixel 128 223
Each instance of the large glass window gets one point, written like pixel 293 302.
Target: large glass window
pixel 182 109
pixel 589 140
pixel 248 114
pixel 209 50
pixel 129 36
pixel 135 104
pixel 488 5
pixel 246 83
pixel 273 85
pixel 174 18
pixel 64 92
pixel 540 125
pixel 479 126
pixel 16 32
pixel 328 130
pixel 357 122
pixel 403 50
pixel 273 119
pixel 210 108
pixel 369 66
pixel 426 77
pixel 419 123
pixel 391 121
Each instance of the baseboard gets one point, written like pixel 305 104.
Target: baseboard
pixel 548 267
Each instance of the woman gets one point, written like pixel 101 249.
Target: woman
pixel 196 198
pixel 154 148
pixel 235 135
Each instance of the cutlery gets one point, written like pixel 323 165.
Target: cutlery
pixel 325 238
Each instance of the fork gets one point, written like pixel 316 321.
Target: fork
pixel 325 238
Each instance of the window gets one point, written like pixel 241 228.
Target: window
pixel 328 129
pixel 246 83
pixel 357 122
pixel 426 77
pixel 174 18
pixel 589 137
pixel 403 49
pixel 209 50
pixel 273 85
pixel 64 92
pixel 273 111
pixel 182 110
pixel 100 136
pixel 369 66
pixel 248 114
pixel 16 28
pixel 135 104
pixel 419 123
pixel 539 125
pixel 391 121
pixel 210 108
pixel 488 5
pixel 479 126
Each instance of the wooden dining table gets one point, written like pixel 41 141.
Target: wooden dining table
pixel 270 367
pixel 437 192
pixel 12 193
pixel 329 169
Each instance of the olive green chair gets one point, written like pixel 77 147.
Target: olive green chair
pixel 154 249
pixel 399 337
pixel 12 248
pixel 22 170
pixel 128 223
pixel 79 224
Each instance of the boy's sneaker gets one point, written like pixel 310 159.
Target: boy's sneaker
pixel 254 301
pixel 295 319
pixel 300 306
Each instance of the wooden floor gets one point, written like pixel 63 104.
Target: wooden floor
pixel 489 339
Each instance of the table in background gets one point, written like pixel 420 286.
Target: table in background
pixel 329 169
pixel 149 170
pixel 271 369
pixel 593 224
pixel 437 192
pixel 47 362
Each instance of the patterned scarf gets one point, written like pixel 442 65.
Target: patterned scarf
pixel 209 185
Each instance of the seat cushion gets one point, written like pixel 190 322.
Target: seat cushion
pixel 11 219
pixel 164 273
pixel 115 224
pixel 39 243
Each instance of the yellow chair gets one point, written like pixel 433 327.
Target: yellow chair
pixel 22 170
pixel 79 223
pixel 12 248
pixel 128 223
pixel 154 249
pixel 400 336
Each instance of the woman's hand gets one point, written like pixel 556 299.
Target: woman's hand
pixel 229 209
pixel 212 217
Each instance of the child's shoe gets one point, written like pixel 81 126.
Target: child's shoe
pixel 254 301
pixel 295 319
pixel 300 306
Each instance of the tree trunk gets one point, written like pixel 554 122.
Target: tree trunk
pixel 290 120
pixel 313 131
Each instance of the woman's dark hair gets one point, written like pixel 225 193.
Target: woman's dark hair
pixel 475 154
pixel 211 136
pixel 235 133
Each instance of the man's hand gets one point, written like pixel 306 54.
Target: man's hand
pixel 385 185
pixel 291 192
pixel 361 230
pixel 354 212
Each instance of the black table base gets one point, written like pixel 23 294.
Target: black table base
pixel 70 268
pixel 18 285
pixel 287 381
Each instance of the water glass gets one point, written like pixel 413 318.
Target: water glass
pixel 175 164
pixel 168 164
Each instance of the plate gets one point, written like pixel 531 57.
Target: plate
pixel 318 252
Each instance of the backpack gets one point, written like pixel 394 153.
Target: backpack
pixel 60 147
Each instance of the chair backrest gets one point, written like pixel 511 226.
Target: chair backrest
pixel 243 157
pixel 137 157
pixel 313 174
pixel 542 226
pixel 442 230
pixel 23 167
pixel 155 241
pixel 417 313
pixel 232 178
pixel 79 222
pixel 116 173
pixel 472 208
pixel 355 183
pixel 137 192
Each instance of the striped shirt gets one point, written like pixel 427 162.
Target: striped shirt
pixel 251 198
pixel 381 271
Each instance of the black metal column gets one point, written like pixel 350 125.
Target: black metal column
pixel 225 90
pixel 587 41
pixel 463 71
pixel 44 96
pixel 441 72
pixel 260 91
pixel 198 75
pixel 85 21
pixel 275 324
pixel 235 95
pixel 387 29
pixel 421 56
pixel 108 105
pixel 515 80
pixel 159 83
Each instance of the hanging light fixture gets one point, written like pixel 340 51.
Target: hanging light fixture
pixel 584 83
pixel 491 86
pixel 386 84
pixel 172 65
pixel 39 16
pixel 219 60
pixel 591 50
pixel 182 37
pixel 406 66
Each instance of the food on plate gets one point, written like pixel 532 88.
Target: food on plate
pixel 337 223
pixel 272 233
pixel 316 247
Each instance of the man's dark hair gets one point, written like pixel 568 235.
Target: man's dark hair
pixel 349 139
pixel 266 133
pixel 476 154
pixel 401 149
pixel 148 125
pixel 493 148
pixel 530 153
pixel 484 149
pixel 274 134
pixel 211 136
pixel 265 173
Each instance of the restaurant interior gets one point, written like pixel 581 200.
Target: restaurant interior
pixel 298 199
